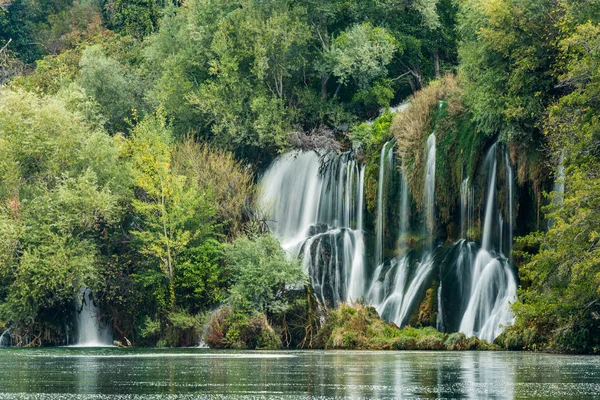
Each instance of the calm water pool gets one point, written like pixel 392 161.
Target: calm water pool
pixel 76 373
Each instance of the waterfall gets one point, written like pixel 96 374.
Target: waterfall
pixel 558 189
pixel 91 332
pixel 316 210
pixel 5 339
pixel 493 285
pixel 429 192
pixel 401 302
pixel 385 163
pixel 357 276
pixel 404 213
pixel 426 265
pixel 467 212
pixel 509 203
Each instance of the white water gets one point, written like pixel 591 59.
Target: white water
pixel 5 338
pixel 402 300
pixel 425 266
pixel 91 332
pixel 558 189
pixel 316 207
pixel 493 285
pixel 429 192
pixel 357 276
pixel 316 210
pixel 385 165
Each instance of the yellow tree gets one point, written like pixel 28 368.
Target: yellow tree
pixel 165 202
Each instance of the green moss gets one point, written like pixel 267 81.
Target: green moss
pixel 359 327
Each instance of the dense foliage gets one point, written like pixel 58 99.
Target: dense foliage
pixel 132 133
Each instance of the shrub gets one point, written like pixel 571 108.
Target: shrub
pixel 228 329
pixel 227 182
pixel 456 341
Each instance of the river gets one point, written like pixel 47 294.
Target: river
pixel 110 373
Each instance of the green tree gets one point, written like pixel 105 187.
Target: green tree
pixel 261 273
pixel 115 88
pixel 507 54
pixel 136 18
pixel 173 213
pixel 560 302
pixel 61 185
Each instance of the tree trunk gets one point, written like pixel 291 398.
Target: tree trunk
pixel 436 63
pixel 324 80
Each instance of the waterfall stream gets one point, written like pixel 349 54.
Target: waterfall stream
pixel 91 332
pixel 5 338
pixel 316 207
pixel 493 284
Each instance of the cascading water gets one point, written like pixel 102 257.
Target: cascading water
pixel 91 332
pixel 558 189
pixel 493 285
pixel 429 199
pixel 401 300
pixel 385 164
pixel 358 263
pixel 426 264
pixel 5 338
pixel 316 208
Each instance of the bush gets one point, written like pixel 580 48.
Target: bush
pixel 430 342
pixel 228 329
pixel 456 341
pixel 262 275
pixel 228 183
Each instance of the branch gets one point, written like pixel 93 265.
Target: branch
pixel 5 46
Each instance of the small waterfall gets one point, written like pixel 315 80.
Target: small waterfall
pixel 5 339
pixel 493 285
pixel 429 192
pixel 467 211
pixel 509 203
pixel 357 276
pixel 91 332
pixel 402 300
pixel 404 214
pixel 559 183
pixel 558 189
pixel 426 265
pixel 385 163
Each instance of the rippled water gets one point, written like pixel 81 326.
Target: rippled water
pixel 72 373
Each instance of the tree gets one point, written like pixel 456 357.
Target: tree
pixel 61 185
pixel 560 303
pixel 507 56
pixel 361 54
pixel 115 88
pixel 262 273
pixel 136 18
pixel 173 214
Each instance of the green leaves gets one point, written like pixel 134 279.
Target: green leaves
pixel 360 53
pixel 62 184
pixel 261 273
pixel 561 273
pixel 115 88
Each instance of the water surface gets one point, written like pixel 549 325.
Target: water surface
pixel 110 373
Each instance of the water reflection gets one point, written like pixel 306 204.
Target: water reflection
pixel 205 374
